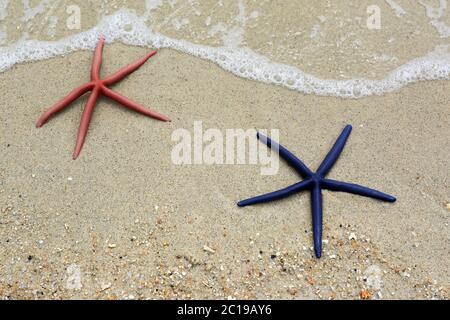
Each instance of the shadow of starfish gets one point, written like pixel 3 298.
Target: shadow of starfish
pixel 315 182
pixel 100 87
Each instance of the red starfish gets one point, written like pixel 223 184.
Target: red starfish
pixel 100 87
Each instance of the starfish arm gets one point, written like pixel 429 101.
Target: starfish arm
pixel 356 189
pixel 335 152
pixel 316 206
pixel 97 61
pixel 133 105
pixel 123 72
pixel 85 119
pixel 71 97
pixel 276 195
pixel 292 160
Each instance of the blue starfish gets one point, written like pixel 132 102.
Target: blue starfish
pixel 315 182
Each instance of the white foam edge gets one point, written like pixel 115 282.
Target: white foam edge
pixel 125 26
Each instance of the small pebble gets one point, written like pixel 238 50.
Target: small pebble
pixel 105 286
pixel 292 291
pixel 208 249
pixel 406 275
pixel 365 295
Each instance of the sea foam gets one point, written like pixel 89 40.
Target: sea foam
pixel 127 27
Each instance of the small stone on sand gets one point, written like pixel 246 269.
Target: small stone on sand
pixel 447 205
pixel 105 286
pixel 365 295
pixel 208 249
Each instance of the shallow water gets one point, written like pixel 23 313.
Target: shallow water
pixel 352 49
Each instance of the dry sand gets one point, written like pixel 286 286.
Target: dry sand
pixel 123 222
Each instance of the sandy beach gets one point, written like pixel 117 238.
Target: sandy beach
pixel 124 222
